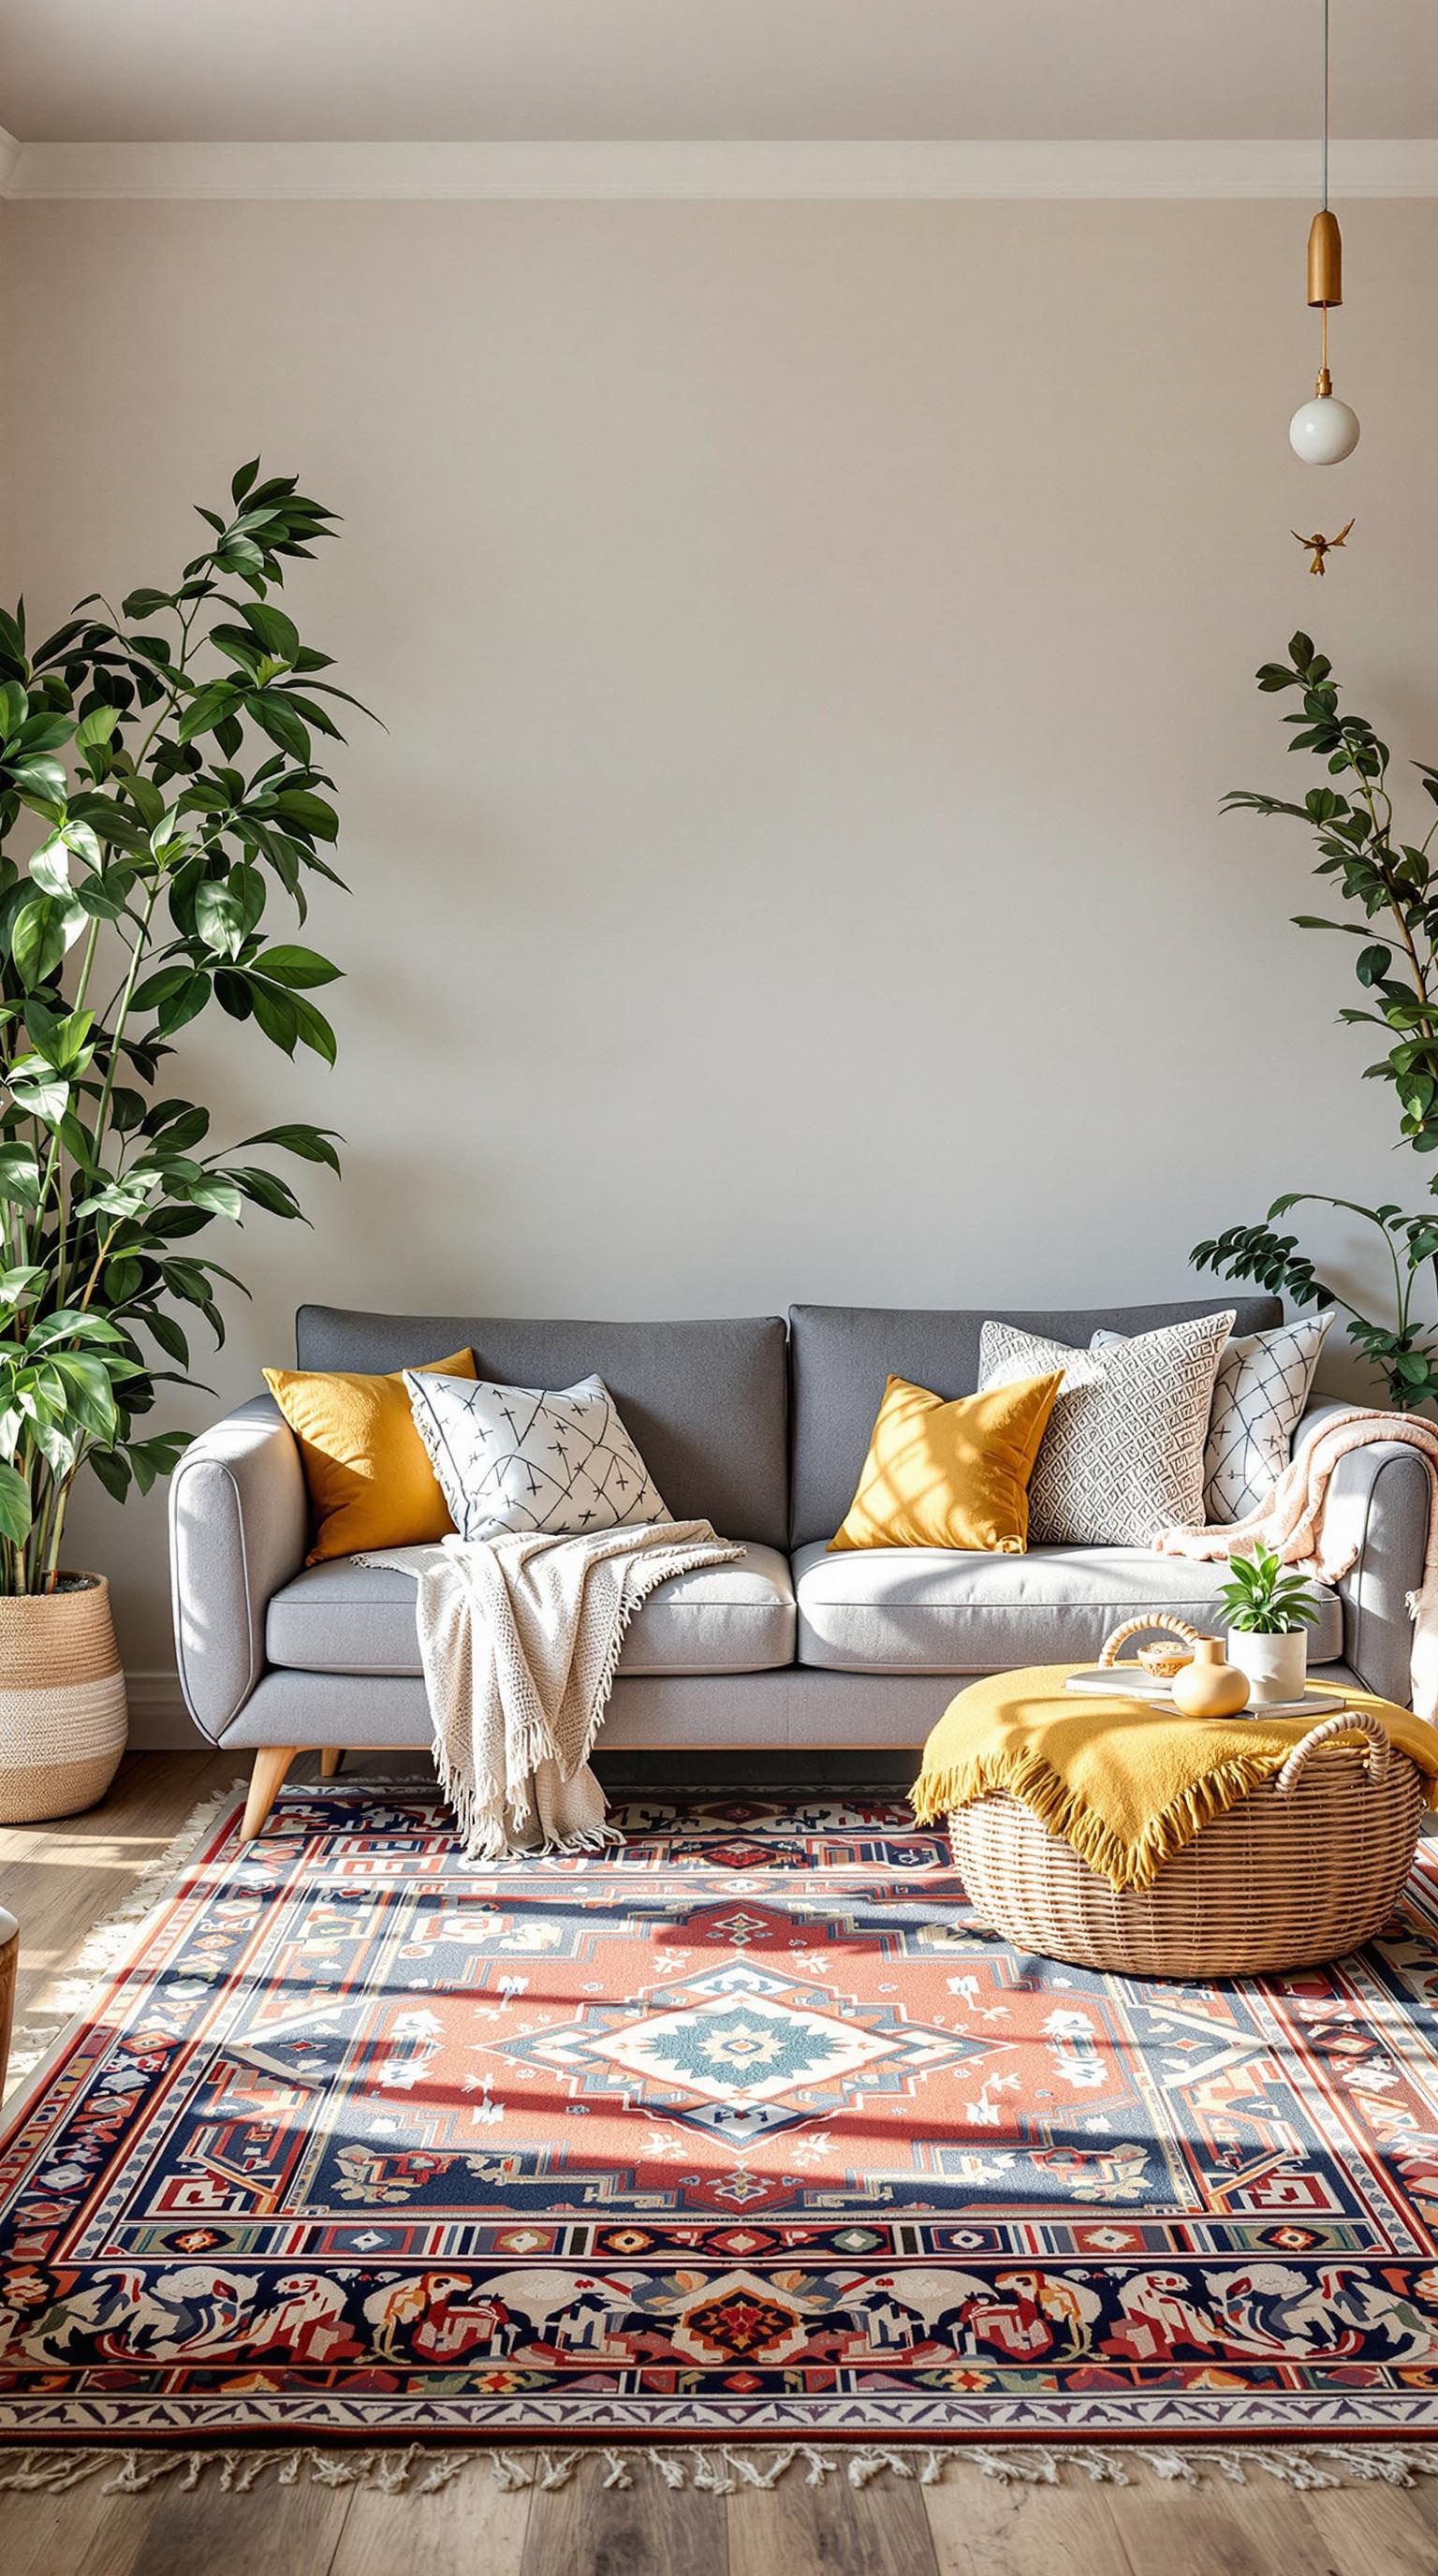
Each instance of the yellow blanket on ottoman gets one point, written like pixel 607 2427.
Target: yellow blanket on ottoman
pixel 1125 1784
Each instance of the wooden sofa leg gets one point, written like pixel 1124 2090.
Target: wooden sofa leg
pixel 267 1779
pixel 330 1760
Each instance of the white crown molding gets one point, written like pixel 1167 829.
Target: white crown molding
pixel 616 171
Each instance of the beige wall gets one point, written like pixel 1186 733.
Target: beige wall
pixel 813 641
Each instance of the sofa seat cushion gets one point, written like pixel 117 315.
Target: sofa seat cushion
pixel 937 1610
pixel 350 1618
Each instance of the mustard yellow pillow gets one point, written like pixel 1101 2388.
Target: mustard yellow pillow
pixel 370 1480
pixel 951 1475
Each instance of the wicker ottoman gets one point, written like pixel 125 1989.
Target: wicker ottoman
pixel 1307 1866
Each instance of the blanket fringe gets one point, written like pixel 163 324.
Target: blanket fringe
pixel 1126 1864
pixel 728 2468
pixel 115 1938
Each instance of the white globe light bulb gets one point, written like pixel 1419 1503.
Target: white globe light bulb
pixel 1323 431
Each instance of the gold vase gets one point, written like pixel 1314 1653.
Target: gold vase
pixel 62 1700
pixel 1208 1687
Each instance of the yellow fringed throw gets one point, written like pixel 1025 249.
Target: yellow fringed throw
pixel 1124 1784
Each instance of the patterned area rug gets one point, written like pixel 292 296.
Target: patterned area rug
pixel 745 2132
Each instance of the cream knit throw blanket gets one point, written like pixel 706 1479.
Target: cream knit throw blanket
pixel 519 1637
pixel 1304 1521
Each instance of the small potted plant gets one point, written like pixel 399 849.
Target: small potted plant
pixel 1269 1610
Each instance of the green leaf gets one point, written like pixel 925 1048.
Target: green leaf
pixel 88 1382
pixel 206 709
pixel 15 1512
pixel 182 1133
pixel 50 866
pixel 123 1279
pixel 310 813
pixel 111 1468
pixel 314 1028
pixel 233 994
pixel 37 1089
pixel 41 781
pixel 277 1014
pixel 219 919
pixel 275 716
pixel 169 1336
pixel 310 1143
pixel 183 1006
pixel 216 1195
pixel 241 481
pixel 238 554
pixel 267 1190
pixel 146 798
pixel 158 987
pixel 43 732
pixel 299 968
pixel 72 1323
pixel 41 931
pixel 248 888
pixel 20 1175
pixel 278 633
pixel 61 1037
pixel 37 939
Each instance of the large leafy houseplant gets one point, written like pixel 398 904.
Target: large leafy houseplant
pixel 1388 883
pixel 158 788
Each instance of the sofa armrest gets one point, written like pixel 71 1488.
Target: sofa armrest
pixel 239 1528
pixel 1378 1498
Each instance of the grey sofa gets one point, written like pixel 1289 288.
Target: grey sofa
pixel 761 1429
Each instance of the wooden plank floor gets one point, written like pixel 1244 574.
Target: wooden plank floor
pixel 61 1879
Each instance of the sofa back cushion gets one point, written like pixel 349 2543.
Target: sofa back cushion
pixel 842 1356
pixel 704 1403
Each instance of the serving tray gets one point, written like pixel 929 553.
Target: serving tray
pixel 1130 1681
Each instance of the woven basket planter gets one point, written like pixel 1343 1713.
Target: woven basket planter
pixel 1306 1867
pixel 62 1700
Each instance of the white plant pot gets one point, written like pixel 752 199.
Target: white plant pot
pixel 1276 1666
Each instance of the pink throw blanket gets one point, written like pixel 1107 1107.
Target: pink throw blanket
pixel 1298 1522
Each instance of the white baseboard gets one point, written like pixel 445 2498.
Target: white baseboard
pixel 159 1719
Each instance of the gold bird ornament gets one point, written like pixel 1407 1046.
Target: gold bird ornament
pixel 1319 546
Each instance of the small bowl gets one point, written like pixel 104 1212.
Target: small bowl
pixel 1164 1661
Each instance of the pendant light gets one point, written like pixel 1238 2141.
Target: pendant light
pixel 1324 430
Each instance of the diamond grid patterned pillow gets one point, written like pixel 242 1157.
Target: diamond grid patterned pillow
pixel 532 1457
pixel 1259 1394
pixel 1122 1457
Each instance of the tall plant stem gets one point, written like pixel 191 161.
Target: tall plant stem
pixel 53 1163
pixel 127 995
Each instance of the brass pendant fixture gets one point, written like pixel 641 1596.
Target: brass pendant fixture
pixel 1324 430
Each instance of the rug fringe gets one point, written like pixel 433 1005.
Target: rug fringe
pixel 112 1941
pixel 728 2468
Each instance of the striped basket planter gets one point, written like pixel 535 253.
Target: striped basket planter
pixel 62 1700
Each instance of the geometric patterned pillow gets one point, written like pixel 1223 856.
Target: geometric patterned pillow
pixel 1258 1396
pixel 1122 1457
pixel 531 1457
